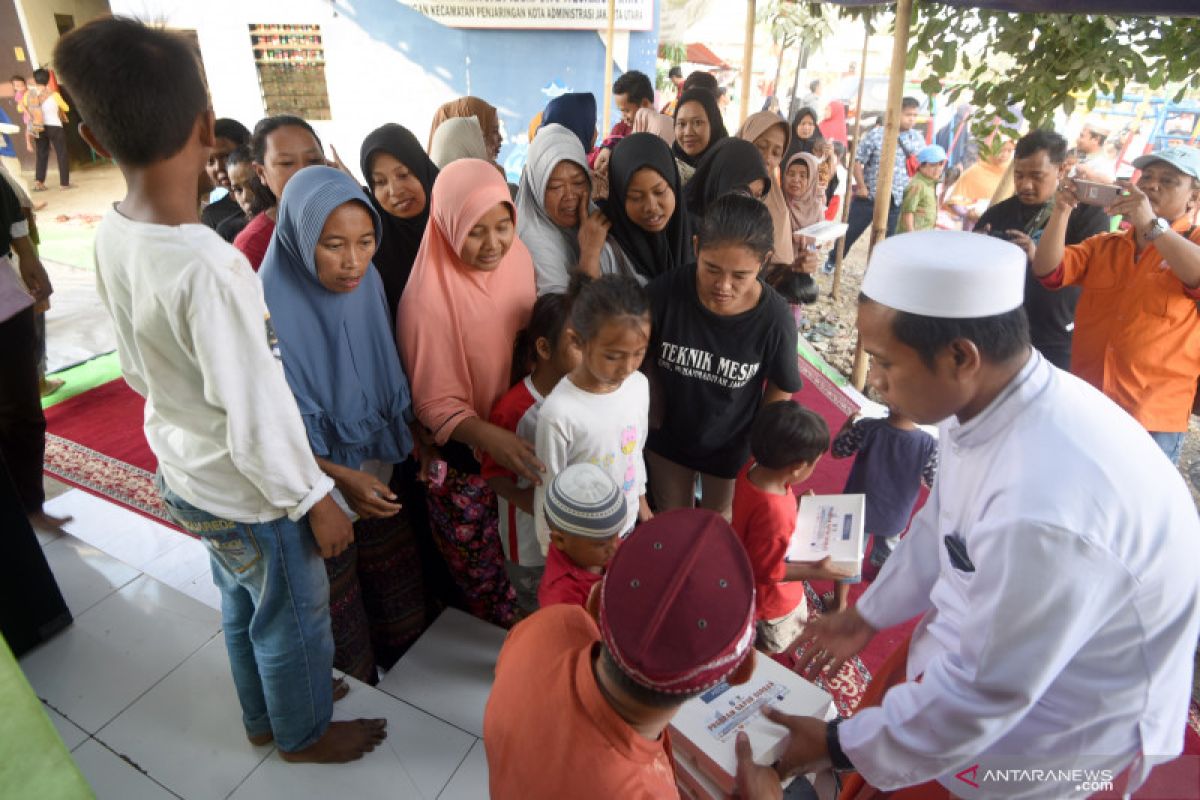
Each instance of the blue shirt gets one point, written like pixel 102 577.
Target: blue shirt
pixel 889 469
pixel 871 148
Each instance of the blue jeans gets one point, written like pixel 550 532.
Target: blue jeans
pixel 862 213
pixel 1170 443
pixel 275 613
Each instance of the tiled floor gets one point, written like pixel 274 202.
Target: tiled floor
pixel 140 691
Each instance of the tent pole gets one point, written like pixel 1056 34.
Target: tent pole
pixel 862 80
pixel 608 67
pixel 747 63
pixel 887 159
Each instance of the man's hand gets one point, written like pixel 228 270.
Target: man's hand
pixel 331 528
pixel 754 781
pixel 34 276
pixel 831 639
pixel 861 191
pixel 1134 206
pixel 805 749
pixel 1065 197
pixel 1022 240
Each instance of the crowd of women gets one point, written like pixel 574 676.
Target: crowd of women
pixel 406 310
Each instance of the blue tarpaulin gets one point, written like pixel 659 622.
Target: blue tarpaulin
pixel 1145 8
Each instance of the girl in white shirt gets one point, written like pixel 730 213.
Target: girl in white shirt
pixel 600 413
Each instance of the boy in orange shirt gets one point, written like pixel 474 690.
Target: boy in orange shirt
pixel 786 441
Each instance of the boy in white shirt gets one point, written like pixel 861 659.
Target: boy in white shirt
pixel 195 340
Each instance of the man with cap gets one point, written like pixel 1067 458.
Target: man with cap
pixel 585 511
pixel 581 704
pixel 1053 564
pixel 1137 329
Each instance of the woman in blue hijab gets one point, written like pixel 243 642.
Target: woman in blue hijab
pixel 575 111
pixel 335 339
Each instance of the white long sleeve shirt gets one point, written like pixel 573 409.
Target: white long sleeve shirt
pixel 195 340
pixel 1070 645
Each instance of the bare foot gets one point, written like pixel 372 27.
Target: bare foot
pixel 340 690
pixel 40 519
pixel 342 742
pixel 51 385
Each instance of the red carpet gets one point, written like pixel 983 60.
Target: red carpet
pixel 95 441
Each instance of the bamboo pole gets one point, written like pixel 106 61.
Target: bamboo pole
pixel 608 66
pixel 887 159
pixel 841 243
pixel 747 63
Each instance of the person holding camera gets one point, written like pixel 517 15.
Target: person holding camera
pixel 1137 327
pixel 1039 163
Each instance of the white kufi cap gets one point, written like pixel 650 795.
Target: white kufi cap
pixel 947 274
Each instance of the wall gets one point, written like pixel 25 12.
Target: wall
pixel 388 63
pixel 41 31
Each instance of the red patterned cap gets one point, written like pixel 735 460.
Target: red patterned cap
pixel 677 603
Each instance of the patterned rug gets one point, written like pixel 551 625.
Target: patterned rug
pixel 108 477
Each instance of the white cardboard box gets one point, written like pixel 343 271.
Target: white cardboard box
pixel 829 525
pixel 824 232
pixel 704 731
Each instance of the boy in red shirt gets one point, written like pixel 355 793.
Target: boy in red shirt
pixel 585 510
pixel 786 441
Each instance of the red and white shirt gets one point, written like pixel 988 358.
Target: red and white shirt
pixel 516 411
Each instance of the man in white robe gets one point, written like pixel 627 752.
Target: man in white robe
pixel 1056 565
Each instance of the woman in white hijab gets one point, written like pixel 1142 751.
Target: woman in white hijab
pixel 456 138
pixel 556 220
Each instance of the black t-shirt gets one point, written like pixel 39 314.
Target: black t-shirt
pixel 709 370
pixel 1050 312
pixel 215 214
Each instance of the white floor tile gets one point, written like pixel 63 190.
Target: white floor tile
pixel 204 590
pixel 123 534
pixel 470 782
pixel 181 565
pixel 84 574
pixel 193 710
pixel 71 734
pixel 415 761
pixel 46 535
pixel 449 671
pixel 117 650
pixel 112 778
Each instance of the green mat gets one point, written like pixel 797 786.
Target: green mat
pixel 36 764
pixel 68 244
pixel 82 377
pixel 806 351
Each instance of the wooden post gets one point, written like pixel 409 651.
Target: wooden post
pixel 608 67
pixel 853 147
pixel 747 64
pixel 887 159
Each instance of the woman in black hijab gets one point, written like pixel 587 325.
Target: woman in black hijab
pixel 399 179
pixel 805 132
pixel 730 165
pixel 645 205
pixel 698 126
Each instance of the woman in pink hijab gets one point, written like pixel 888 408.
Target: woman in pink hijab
pixel 647 120
pixel 471 292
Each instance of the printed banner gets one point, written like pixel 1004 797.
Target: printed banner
pixel 631 15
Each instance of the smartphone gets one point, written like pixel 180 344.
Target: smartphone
pixel 437 472
pixel 1096 194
